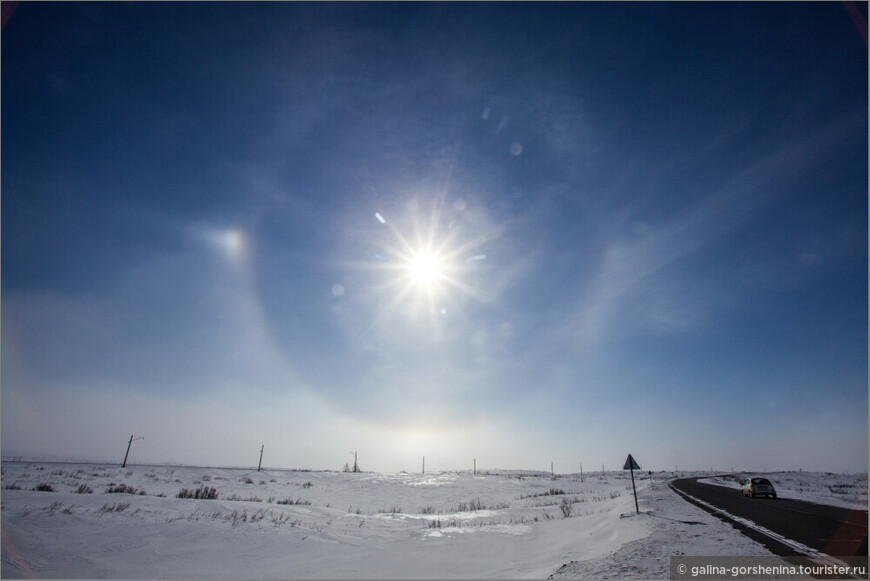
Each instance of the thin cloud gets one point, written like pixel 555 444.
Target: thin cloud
pixel 639 283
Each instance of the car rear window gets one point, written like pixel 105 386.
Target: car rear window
pixel 760 481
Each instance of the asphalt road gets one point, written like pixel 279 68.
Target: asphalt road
pixel 838 532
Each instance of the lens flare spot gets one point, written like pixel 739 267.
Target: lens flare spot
pixel 506 330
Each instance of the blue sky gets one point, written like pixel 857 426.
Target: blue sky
pixel 517 233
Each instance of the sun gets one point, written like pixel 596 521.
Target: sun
pixel 428 262
pixel 425 268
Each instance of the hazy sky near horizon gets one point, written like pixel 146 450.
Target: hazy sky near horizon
pixel 521 233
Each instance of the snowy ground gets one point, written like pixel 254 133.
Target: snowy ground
pixel 297 524
pixel 844 490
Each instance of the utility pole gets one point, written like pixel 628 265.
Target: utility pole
pixel 475 465
pixel 424 464
pixel 130 443
pixel 261 457
pixel 355 465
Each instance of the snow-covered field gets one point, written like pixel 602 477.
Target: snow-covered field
pixel 844 490
pixel 103 521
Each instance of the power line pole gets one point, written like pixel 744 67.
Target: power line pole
pixel 261 457
pixel 130 443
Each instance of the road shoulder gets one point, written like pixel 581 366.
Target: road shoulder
pixel 678 529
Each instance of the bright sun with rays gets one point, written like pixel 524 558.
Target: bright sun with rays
pixel 427 258
pixel 426 269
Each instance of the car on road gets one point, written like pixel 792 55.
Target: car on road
pixel 758 487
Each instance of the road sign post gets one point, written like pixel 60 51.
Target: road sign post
pixel 632 465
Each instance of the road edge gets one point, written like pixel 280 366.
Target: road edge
pixel 774 542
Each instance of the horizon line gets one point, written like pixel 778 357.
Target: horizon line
pixel 13 458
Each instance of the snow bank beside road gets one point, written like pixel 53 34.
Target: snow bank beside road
pixel 677 528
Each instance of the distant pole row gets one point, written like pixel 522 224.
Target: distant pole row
pixel 356 467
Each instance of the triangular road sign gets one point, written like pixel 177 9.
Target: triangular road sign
pixel 631 464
